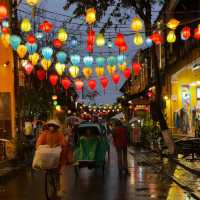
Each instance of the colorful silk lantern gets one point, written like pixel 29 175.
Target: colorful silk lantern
pixel 197 32
pixel 61 57
pixel 62 35
pixel 112 60
pixel 111 69
pixel 171 37
pixel 110 44
pixel 185 33
pixel 121 59
pixel 15 41
pixel 5 30
pixel 88 61
pixel 39 35
pixel 87 72
pixel 148 42
pixel 104 82
pixel 26 25
pixel 136 24
pixel 90 17
pixel 41 74
pixel 5 39
pixel 5 23
pixel 3 12
pixel 74 42
pixel 34 58
pixel 75 59
pixel 92 84
pixel 21 51
pixel 60 68
pixel 173 23
pixel 79 85
pixel 90 37
pixel 100 61
pixel 46 27
pixel 28 68
pixel 100 40
pixel 138 39
pixel 122 66
pixel 47 52
pixel 66 83
pixel 127 73
pixel 119 40
pixel 31 39
pixel 32 48
pixel 99 71
pixel 136 68
pixel 74 71
pixel 116 78
pixel 123 48
pixel 157 38
pixel 57 43
pixel 33 2
pixel 46 64
pixel 53 78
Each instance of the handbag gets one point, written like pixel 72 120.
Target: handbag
pixel 46 158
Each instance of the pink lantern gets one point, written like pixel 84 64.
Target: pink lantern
pixel 53 78
pixel 92 84
pixel 79 85
pixel 28 68
pixel 116 78
pixel 66 83
pixel 136 68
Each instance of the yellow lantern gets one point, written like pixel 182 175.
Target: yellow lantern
pixel 90 16
pixel 46 64
pixel 138 39
pixel 111 69
pixel 136 24
pixel 122 67
pixel 87 72
pixel 60 68
pixel 99 71
pixel 173 23
pixel 171 37
pixel 100 40
pixel 21 50
pixel 5 39
pixel 74 71
pixel 26 25
pixel 34 58
pixel 62 35
pixel 33 2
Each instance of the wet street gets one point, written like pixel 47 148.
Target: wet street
pixel 144 182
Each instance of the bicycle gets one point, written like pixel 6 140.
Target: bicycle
pixel 51 184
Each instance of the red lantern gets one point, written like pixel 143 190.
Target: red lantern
pixel 123 48
pixel 31 39
pixel 136 68
pixel 92 84
pixel 116 78
pixel 3 12
pixel 104 82
pixel 53 78
pixel 46 27
pixel 186 32
pixel 91 37
pixel 119 41
pixel 41 74
pixel 5 30
pixel 79 85
pixel 197 33
pixel 28 68
pixel 157 38
pixel 66 83
pixel 90 48
pixel 127 73
pixel 57 43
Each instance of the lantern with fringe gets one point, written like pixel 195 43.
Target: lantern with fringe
pixel 21 51
pixel 87 72
pixel 62 35
pixel 90 17
pixel 47 52
pixel 61 57
pixel 32 48
pixel 46 64
pixel 136 24
pixel 74 71
pixel 26 25
pixel 34 58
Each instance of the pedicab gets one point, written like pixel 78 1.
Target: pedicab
pixel 91 146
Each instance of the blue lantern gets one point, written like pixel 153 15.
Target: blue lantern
pixel 74 42
pixel 61 57
pixel 121 59
pixel 100 61
pixel 112 60
pixel 110 44
pixel 5 23
pixel 32 48
pixel 88 61
pixel 149 42
pixel 15 41
pixel 47 52
pixel 39 35
pixel 75 59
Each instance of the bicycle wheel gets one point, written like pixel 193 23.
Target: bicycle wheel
pixel 51 185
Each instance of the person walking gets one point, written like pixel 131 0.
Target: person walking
pixel 53 137
pixel 120 138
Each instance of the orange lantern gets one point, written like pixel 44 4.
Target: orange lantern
pixel 87 72
pixel 111 69
pixel 173 23
pixel 90 17
pixel 3 11
pixel 21 51
pixel 116 78
pixel 99 71
pixel 46 64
